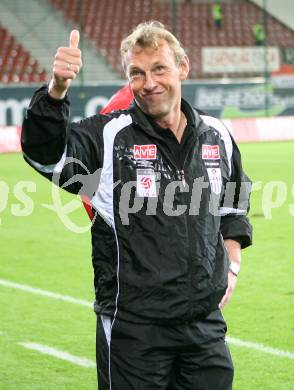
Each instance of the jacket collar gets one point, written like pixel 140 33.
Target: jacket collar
pixel 193 119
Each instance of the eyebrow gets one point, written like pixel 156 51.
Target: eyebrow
pixel 158 63
pixel 132 68
pixel 135 67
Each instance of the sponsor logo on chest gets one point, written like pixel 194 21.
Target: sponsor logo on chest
pixel 210 152
pixel 145 152
pixel 146 183
pixel 215 179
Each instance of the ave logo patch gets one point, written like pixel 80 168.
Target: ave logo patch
pixel 210 152
pixel 145 152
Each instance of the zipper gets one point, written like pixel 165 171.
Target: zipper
pixel 189 232
pixel 180 173
pixel 183 180
pixel 182 176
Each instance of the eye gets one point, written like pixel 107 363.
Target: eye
pixel 136 74
pixel 159 69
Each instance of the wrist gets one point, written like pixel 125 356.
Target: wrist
pixel 234 268
pixel 54 92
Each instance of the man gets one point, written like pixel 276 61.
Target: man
pixel 166 235
pixel 217 14
pixel 258 34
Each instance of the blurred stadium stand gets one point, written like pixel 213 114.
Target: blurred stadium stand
pixel 283 11
pixel 41 29
pixel 40 26
pixel 17 64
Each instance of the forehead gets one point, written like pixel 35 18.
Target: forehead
pixel 146 56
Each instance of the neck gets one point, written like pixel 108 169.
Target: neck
pixel 176 122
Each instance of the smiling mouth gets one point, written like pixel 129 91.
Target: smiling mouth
pixel 152 94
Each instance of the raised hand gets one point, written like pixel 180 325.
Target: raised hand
pixel 66 66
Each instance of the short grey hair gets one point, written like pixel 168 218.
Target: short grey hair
pixel 149 34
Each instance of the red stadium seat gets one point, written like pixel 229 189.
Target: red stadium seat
pixel 106 22
pixel 113 20
pixel 17 65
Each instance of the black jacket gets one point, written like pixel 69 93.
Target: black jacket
pixel 160 217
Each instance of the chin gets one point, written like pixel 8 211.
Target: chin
pixel 154 110
pixel 157 113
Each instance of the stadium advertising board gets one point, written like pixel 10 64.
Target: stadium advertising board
pixel 239 59
pixel 239 100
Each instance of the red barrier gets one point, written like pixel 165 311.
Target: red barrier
pixel 262 129
pixel 10 139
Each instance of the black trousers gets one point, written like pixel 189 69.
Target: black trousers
pixel 190 356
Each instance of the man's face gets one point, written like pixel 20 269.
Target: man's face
pixel 155 78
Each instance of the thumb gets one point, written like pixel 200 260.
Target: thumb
pixel 74 39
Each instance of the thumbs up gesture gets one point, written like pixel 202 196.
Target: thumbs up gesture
pixel 66 66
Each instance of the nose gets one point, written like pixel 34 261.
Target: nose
pixel 149 83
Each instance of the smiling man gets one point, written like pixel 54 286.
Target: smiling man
pixel 169 208
pixel 155 73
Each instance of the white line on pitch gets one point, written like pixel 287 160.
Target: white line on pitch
pixel 45 293
pixel 259 347
pixel 66 298
pixel 44 349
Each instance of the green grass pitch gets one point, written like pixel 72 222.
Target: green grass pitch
pixel 39 251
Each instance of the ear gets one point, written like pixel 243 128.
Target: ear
pixel 184 68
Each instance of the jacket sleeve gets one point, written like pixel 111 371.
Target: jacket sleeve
pixel 236 202
pixel 68 154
